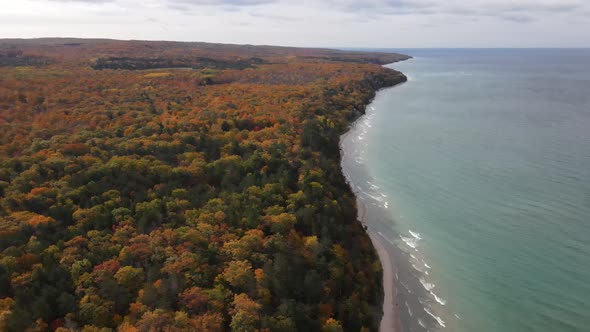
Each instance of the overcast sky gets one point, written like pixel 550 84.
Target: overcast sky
pixel 329 23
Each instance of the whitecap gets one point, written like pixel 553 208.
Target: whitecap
pixel 416 235
pixel 458 317
pixel 378 199
pixel 427 285
pixel 440 300
pixel 427 266
pixel 438 319
pixel 410 242
pixel 421 323
pixel 372 185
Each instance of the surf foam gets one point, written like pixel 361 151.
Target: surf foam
pixel 416 235
pixel 436 318
pixel 410 242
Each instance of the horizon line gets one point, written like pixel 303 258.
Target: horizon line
pixel 310 46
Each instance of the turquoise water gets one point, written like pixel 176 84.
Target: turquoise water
pixel 484 155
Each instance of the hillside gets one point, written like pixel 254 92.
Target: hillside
pixel 186 186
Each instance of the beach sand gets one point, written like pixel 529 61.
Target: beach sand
pixel 390 321
pixel 402 288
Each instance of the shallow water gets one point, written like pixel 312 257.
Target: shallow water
pixel 481 162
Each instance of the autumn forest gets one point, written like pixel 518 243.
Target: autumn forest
pixel 163 186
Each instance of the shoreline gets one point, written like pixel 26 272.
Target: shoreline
pixel 390 321
pixel 403 292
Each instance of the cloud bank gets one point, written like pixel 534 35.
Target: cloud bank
pixel 347 23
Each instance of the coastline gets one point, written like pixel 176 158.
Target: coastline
pixel 397 142
pixel 390 319
pixel 404 296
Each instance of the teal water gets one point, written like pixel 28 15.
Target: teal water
pixel 482 160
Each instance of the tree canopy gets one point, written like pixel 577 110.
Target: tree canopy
pixel 206 198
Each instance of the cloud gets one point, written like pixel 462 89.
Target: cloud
pixel 275 17
pixel 235 3
pixel 336 23
pixel 83 1
pixel 512 10
pixel 517 18
pixel 184 4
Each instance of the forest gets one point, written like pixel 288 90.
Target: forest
pixel 164 186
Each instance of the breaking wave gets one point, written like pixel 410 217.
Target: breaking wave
pixel 436 318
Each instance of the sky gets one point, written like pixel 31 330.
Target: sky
pixel 317 23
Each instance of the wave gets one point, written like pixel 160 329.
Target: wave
pixel 440 300
pixel 415 235
pixel 378 199
pixel 410 242
pixel 436 318
pixel 416 268
pixel 421 323
pixel 427 285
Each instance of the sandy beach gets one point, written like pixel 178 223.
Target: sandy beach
pixel 376 221
pixel 390 321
